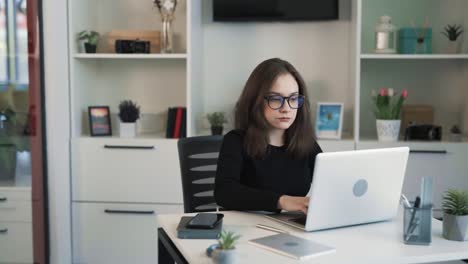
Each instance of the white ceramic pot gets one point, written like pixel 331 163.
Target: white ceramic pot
pixel 455 227
pixel 388 130
pixel 127 130
pixel 453 47
pixel 224 256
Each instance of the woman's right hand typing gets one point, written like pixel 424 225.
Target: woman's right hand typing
pixel 293 203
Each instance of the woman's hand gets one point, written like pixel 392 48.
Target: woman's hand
pixel 293 203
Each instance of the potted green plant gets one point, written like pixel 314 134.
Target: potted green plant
pixel 455 134
pixel 224 252
pixel 387 106
pixel 216 119
pixel 90 39
pixel 455 219
pixel 129 113
pixel 453 32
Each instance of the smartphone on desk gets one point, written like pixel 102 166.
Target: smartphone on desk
pixel 205 220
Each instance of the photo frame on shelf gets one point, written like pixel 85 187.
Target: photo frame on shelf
pixel 99 121
pixel 329 120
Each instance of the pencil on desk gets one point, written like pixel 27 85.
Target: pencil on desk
pixel 269 228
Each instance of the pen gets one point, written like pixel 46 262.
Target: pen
pixel 269 228
pixel 405 201
pixel 412 223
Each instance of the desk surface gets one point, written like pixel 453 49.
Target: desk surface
pixel 372 243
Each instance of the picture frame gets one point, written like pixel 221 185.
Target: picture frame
pixel 329 120
pixel 99 121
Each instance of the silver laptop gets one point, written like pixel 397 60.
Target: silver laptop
pixel 352 187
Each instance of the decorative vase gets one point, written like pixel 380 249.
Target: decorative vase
pixel 455 137
pixel 127 130
pixel 216 130
pixel 167 36
pixel 166 9
pixel 388 130
pixel 90 48
pixel 221 256
pixel 453 47
pixel 385 36
pixel 455 227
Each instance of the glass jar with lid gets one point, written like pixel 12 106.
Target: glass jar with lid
pixel 385 36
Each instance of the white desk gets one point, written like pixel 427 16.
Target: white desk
pixel 372 243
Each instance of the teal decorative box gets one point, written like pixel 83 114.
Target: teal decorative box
pixel 412 41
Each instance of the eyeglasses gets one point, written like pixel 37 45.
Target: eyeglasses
pixel 276 102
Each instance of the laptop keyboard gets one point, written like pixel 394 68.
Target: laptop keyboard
pixel 300 220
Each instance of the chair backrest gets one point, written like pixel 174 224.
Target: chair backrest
pixel 198 157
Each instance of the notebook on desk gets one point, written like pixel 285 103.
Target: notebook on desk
pixel 184 232
pixel 292 246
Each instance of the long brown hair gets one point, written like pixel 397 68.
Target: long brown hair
pixel 249 117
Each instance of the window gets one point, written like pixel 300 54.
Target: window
pixel 13 45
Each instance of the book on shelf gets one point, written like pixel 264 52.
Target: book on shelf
pixel 176 122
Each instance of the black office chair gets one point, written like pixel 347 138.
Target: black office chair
pixel 198 157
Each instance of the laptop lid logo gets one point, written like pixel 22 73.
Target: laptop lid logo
pixel 360 188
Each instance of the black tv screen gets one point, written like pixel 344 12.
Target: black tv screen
pixel 274 10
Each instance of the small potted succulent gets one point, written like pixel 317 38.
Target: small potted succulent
pixel 90 39
pixel 216 119
pixel 224 252
pixel 453 32
pixel 129 113
pixel 455 219
pixel 455 134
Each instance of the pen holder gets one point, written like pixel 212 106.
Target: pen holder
pixel 417 225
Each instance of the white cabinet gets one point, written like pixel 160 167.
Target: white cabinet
pixel 117 233
pixel 126 170
pixel 16 242
pixel 113 173
pixel 15 225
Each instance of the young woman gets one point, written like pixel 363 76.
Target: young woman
pixel 267 162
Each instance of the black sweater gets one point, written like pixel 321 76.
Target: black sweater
pixel 245 183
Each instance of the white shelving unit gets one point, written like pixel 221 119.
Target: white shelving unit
pixel 113 174
pixel 129 56
pixel 438 79
pixel 435 79
pixel 415 57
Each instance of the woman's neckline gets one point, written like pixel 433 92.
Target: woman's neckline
pixel 273 146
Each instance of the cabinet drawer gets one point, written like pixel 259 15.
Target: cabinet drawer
pixel 16 242
pixel 126 170
pixel 15 211
pixel 15 194
pixel 116 233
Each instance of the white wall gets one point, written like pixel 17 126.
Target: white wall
pixel 319 50
pixel 58 127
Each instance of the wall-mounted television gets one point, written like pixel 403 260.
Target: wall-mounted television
pixel 275 10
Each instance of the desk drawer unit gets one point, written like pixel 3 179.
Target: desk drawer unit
pixel 117 233
pixel 126 170
pixel 16 242
pixel 15 206
pixel 15 194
